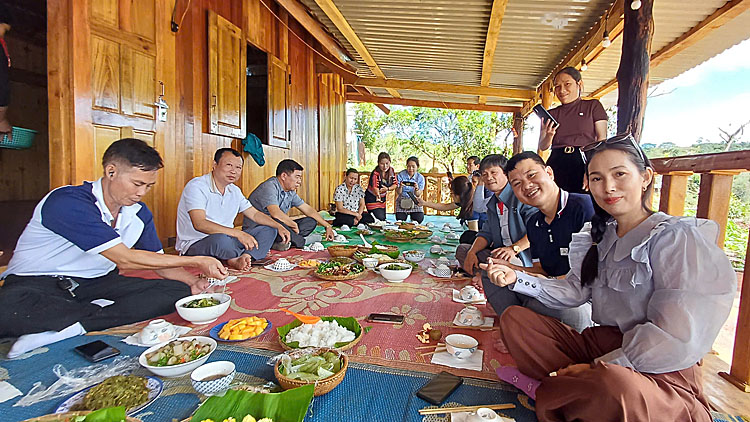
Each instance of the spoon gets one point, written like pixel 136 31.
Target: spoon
pixel 305 319
pixel 367 245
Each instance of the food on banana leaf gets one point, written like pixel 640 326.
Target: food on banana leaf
pixel 312 367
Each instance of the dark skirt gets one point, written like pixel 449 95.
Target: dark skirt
pixel 568 166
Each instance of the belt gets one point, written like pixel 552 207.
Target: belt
pixel 569 150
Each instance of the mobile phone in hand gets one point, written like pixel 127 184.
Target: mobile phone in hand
pixel 439 388
pixel 544 114
pixel 96 351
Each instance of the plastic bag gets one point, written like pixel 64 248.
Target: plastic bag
pixel 69 382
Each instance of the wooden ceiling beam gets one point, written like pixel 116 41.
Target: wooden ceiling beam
pixel 338 19
pixel 508 93
pixel 490 44
pixel 299 13
pixel 721 16
pixel 367 92
pixel 360 98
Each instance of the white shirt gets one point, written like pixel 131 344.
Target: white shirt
pixel 71 226
pixel 201 193
pixel 504 218
pixel 665 285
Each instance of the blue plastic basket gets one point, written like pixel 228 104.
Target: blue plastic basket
pixel 22 139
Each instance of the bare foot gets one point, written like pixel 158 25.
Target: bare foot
pixel 241 263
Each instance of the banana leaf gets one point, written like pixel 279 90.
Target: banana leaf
pixel 110 414
pixel 288 406
pixel 349 323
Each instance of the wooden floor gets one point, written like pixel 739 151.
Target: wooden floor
pixel 723 396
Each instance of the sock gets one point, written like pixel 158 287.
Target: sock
pixel 29 342
pixel 524 383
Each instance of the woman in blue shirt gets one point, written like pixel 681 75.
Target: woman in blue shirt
pixel 410 186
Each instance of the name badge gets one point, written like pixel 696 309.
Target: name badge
pixel 563 251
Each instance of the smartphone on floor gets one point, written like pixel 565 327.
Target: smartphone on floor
pixel 97 351
pixel 439 388
pixel 386 318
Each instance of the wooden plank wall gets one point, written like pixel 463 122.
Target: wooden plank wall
pixel 181 62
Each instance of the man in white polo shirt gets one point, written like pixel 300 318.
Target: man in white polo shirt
pixel 64 280
pixel 206 213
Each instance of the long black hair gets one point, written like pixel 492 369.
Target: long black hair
pixel 590 265
pixel 461 186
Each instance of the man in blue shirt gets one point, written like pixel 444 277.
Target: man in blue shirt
pixel 63 279
pixel 549 231
pixel 276 196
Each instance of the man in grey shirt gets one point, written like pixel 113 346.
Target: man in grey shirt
pixel 276 196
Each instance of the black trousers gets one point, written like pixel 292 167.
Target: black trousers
pixel 568 168
pixel 347 219
pixel 32 304
pixel 378 213
pixel 416 217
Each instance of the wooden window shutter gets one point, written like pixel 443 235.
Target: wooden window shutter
pixel 279 103
pixel 227 55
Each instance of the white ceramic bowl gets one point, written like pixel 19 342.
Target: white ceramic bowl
pixel 442 270
pixel 414 256
pixel 461 345
pixel 395 276
pixel 213 378
pixel 370 263
pixel 181 369
pixel 200 316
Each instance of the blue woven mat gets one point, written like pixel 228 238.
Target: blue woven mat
pixel 368 392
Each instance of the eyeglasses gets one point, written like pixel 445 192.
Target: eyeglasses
pixel 625 138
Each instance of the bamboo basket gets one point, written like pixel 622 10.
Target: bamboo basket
pixel 322 386
pixel 342 250
pixel 67 416
pixel 343 348
pixel 339 277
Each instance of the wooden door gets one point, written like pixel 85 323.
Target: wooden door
pixel 279 103
pixel 227 55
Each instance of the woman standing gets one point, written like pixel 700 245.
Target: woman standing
pixel 581 122
pixel 660 290
pixel 382 180
pixel 409 182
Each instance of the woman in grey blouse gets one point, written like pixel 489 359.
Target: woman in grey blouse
pixel 660 289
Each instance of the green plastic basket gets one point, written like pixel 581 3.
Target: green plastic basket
pixel 22 139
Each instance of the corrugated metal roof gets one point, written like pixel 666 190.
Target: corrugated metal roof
pixel 443 40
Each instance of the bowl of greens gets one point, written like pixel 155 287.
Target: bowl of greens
pixel 395 272
pixel 203 308
pixel 177 357
pixel 325 368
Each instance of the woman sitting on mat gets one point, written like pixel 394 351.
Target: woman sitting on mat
pixel 350 202
pixel 382 180
pixel 660 290
pixel 410 187
pixel 462 193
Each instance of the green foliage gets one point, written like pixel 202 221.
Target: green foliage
pixel 440 138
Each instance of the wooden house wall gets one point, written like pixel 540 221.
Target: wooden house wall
pixel 97 85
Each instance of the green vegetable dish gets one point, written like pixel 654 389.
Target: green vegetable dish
pixel 396 267
pixel 204 302
pixel 340 269
pixel 312 367
pixel 127 391
pixel 178 352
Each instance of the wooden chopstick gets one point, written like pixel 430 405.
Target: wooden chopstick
pixel 435 411
pixel 429 347
pixel 480 328
pixel 433 352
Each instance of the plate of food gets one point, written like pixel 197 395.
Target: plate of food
pixel 310 263
pixel 382 258
pixel 398 236
pixel 337 270
pixel 240 329
pixel 340 333
pixel 129 391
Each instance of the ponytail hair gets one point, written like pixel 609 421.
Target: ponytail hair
pixel 628 145
pixel 461 186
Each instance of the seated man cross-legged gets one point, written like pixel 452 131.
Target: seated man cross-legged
pixel 63 278
pixel 276 196
pixel 206 213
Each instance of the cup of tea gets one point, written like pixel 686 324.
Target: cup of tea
pixel 473 225
pixel 157 331
pixel 370 263
pixel 470 315
pixel 470 294
pixel 461 346
pixel 483 414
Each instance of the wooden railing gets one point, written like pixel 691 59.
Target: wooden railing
pixel 436 190
pixel 716 173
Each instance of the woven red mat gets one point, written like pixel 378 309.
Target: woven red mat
pixel 420 298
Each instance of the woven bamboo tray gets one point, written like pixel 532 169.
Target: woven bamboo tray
pixel 388 250
pixel 68 416
pixel 399 237
pixel 343 348
pixel 342 250
pixel 339 277
pixel 422 234
pixel 321 387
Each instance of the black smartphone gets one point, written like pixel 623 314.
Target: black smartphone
pixel 412 196
pixel 386 318
pixel 439 388
pixel 544 114
pixel 408 183
pixel 97 351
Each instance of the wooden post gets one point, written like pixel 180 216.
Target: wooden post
pixel 632 75
pixel 673 191
pixel 713 199
pixel 518 122
pixel 739 374
pixel 546 103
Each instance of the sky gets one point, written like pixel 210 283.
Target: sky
pixel 712 95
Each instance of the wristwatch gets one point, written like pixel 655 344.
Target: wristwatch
pixel 516 249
